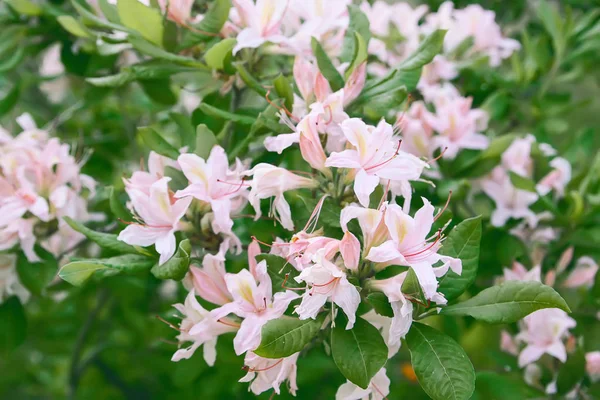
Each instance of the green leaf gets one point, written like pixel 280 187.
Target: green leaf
pixel 380 304
pixel 278 268
pixel 412 288
pixel 73 26
pixel 35 276
pixel 508 302
pixel 359 23
pixel 177 266
pixel 284 90
pixel 442 367
pixel 286 336
pixel 117 208
pixel 14 60
pixel 90 19
pixel 430 47
pixel 360 53
pixel 143 19
pixel 571 372
pixel 25 7
pixel 216 112
pixel 78 272
pixel 249 80
pixel 109 11
pixel 360 352
pixel 216 55
pixel 150 49
pixel 10 99
pixel 106 240
pixel 205 141
pixel 209 27
pixel 521 182
pixel 13 324
pixel 463 242
pixel 157 143
pixel 113 80
pixel 159 90
pixel 187 133
pixel 335 79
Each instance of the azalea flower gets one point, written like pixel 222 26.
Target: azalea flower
pixel 10 285
pixel 270 181
pixel 261 21
pixel 592 365
pixel 402 307
pixel 143 180
pixel 517 157
pixel 371 223
pixel 160 217
pixel 375 155
pixel 519 273
pixel 195 314
pixel 409 245
pixel 583 275
pixel 327 282
pixel 557 179
pixel 378 389
pixel 544 331
pixel 179 11
pixel 254 302
pixel 212 181
pixel 209 281
pixel 268 373
pixel 383 324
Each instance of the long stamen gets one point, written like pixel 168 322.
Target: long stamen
pixel 439 214
pixel 388 160
pixel 228 323
pixel 287 287
pixel 247 368
pixel 437 239
pixel 282 109
pixel 438 157
pixel 385 193
pixel 260 241
pixel 314 217
pixel 168 323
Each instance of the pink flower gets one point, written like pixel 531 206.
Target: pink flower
pixel 371 224
pixel 378 389
pixel 270 181
pixel 517 157
pixel 416 134
pixel 142 180
pixel 384 325
pixel 520 273
pixel 194 314
pixel 458 126
pixel 508 343
pixel 583 274
pixel 592 365
pixel 557 179
pixel 402 307
pixel 350 250
pixel 20 231
pixel 268 373
pixel 409 245
pixel 160 219
pixel 209 281
pixel 253 302
pixel 375 155
pixel 212 181
pixel 9 280
pixel 327 282
pixel 261 21
pixel 179 11
pixel 543 333
pixel 310 142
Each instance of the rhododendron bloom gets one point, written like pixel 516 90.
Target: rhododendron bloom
pixel 592 365
pixel 269 373
pixel 194 314
pixel 519 273
pixel 583 275
pixel 262 22
pixel 270 181
pixel 213 182
pixel 409 245
pixel 556 179
pixel 384 325
pixel 544 331
pixel 458 126
pixel 253 302
pixel 160 217
pixel 378 389
pixel 375 156
pixel 209 281
pixel 10 285
pixel 370 221
pixel 142 180
pixel 327 282
pixel 179 11
pixel 402 307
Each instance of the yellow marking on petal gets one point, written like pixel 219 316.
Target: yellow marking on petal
pixel 246 292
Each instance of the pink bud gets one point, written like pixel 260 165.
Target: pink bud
pixel 253 251
pixel 592 365
pixel 355 83
pixel 564 260
pixel 310 143
pixel 322 88
pixel 304 75
pixel 210 290
pixel 583 274
pixel 350 250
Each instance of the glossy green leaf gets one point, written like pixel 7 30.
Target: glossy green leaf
pixel 73 26
pixel 360 54
pixel 430 47
pixel 216 112
pixel 335 79
pixel 157 143
pixel 380 304
pixel 10 99
pixel 107 240
pixel 177 266
pixel 284 90
pixel 25 7
pixel 35 276
pixel 463 242
pixel 215 56
pixel 14 60
pixel 440 364
pixel 508 302
pixel 286 336
pixel 13 324
pixel 278 268
pixel 571 372
pixel 205 141
pixel 360 352
pixel 143 19
pixel 521 182
pixel 78 272
pixel 117 207
pixel 412 288
pixel 359 23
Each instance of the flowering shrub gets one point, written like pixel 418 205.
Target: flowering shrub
pixel 343 199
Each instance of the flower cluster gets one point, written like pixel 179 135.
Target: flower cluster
pixel 40 184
